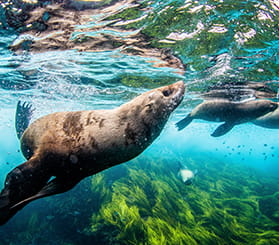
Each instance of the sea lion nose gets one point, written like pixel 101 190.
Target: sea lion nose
pixel 173 88
pixel 179 86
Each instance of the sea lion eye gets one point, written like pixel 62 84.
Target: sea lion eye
pixel 167 92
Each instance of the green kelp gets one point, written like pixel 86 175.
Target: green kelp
pixel 269 206
pixel 144 202
pixel 150 205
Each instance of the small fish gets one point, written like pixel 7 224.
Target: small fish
pixel 186 175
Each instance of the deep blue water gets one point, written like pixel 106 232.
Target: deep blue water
pixel 217 41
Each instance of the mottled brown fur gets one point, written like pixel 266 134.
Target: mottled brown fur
pixel 72 124
pixel 130 135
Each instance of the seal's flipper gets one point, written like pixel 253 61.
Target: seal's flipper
pixel 222 129
pixel 11 194
pixel 55 186
pixel 5 212
pixel 23 115
pixel 4 208
pixel 184 122
pixel 21 183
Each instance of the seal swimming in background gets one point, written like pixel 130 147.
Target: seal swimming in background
pixel 65 147
pixel 269 120
pixel 186 175
pixel 232 113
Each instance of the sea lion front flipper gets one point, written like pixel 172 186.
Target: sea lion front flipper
pixel 23 115
pixel 222 129
pixel 184 122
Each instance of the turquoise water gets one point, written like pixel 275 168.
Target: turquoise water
pixel 234 196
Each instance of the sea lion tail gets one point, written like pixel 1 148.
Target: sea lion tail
pixel 184 122
pixel 24 113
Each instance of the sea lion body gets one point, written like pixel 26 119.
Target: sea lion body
pixel 232 113
pixel 238 112
pixel 88 136
pixel 64 147
pixel 269 120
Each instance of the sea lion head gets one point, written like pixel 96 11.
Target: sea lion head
pixel 266 106
pixel 151 110
pixel 159 103
pixel 257 108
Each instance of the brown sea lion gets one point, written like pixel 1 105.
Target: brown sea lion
pixel 64 147
pixel 232 113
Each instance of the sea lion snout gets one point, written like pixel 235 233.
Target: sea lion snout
pixel 178 90
pixel 265 106
pixel 273 106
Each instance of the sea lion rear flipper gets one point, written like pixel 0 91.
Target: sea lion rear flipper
pixel 222 129
pixel 23 115
pixel 5 213
pixel 20 183
pixel 184 122
pixel 55 186
pixel 11 193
